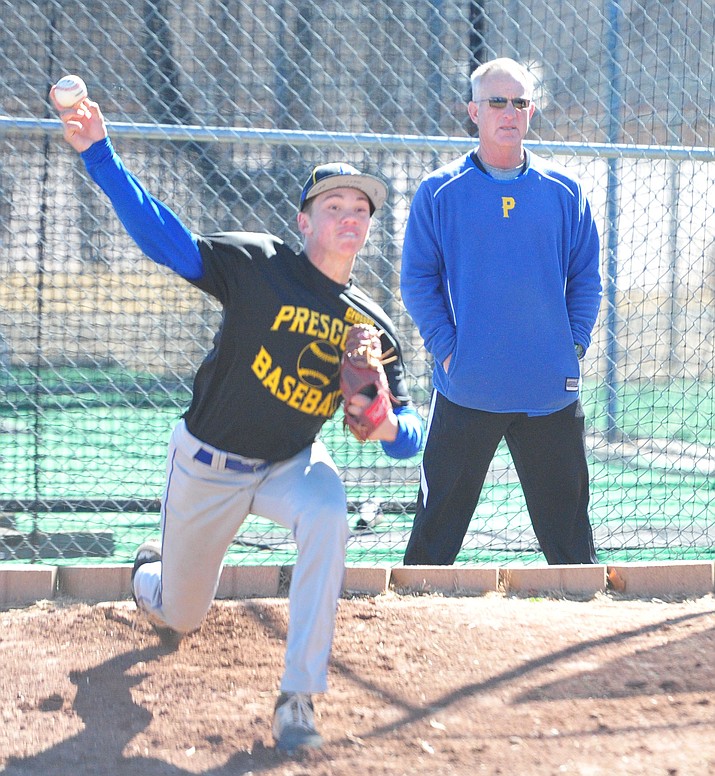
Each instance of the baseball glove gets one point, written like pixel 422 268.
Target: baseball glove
pixel 362 371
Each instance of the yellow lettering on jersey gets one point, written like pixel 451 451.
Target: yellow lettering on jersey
pixel 285 314
pixel 311 322
pixel 311 400
pixel 354 316
pixel 288 386
pixel 324 330
pixel 318 325
pixel 261 363
pixel 273 380
pixel 301 316
pixel 507 204
pixel 312 329
pixel 337 333
pixel 297 396
pixel 329 405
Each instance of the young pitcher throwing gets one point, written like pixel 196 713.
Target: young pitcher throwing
pixel 249 440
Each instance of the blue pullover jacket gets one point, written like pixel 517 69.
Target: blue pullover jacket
pixel 503 275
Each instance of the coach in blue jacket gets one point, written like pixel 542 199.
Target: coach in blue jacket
pixel 500 272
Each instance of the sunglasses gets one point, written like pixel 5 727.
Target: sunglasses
pixel 500 103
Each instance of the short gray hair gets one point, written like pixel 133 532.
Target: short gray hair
pixel 502 65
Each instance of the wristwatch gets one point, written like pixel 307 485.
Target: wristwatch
pixel 580 350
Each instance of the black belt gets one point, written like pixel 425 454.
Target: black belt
pixel 207 457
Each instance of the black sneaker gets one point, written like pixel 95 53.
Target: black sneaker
pixel 150 552
pixel 294 723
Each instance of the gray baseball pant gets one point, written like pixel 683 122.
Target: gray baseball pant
pixel 203 507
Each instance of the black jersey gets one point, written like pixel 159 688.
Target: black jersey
pixel 271 379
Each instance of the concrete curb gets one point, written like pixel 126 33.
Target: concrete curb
pixel 445 579
pixel 26 584
pixel 677 578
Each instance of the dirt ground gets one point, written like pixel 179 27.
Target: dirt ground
pixel 419 685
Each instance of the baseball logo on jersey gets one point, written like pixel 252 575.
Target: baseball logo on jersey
pixel 318 364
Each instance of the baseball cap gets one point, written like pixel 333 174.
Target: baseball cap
pixel 335 175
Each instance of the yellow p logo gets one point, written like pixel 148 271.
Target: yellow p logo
pixel 507 204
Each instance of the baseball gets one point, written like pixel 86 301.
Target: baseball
pixel 69 91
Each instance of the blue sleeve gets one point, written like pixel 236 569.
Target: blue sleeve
pixel 583 285
pixel 154 227
pixel 410 434
pixel 423 278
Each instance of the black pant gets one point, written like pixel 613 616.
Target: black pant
pixel 549 456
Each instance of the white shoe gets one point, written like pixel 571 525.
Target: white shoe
pixel 294 723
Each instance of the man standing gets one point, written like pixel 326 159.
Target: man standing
pixel 500 272
pixel 249 441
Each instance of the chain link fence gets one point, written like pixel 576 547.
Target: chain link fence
pixel 222 108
